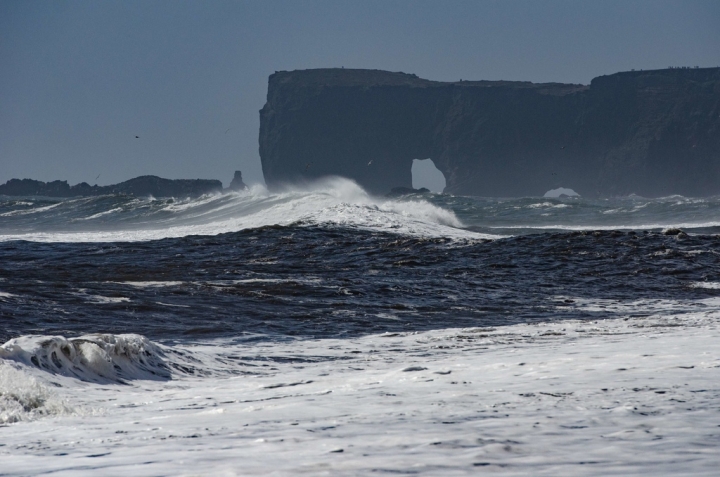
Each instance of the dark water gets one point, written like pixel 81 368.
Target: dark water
pixel 164 335
pixel 333 280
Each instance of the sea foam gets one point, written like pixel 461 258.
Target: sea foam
pixel 23 397
pixel 329 202
pixel 629 397
pixel 98 358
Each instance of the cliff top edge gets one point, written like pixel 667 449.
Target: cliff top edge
pixel 349 77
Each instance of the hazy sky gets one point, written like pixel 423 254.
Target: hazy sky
pixel 80 79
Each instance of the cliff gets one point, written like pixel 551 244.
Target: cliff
pixel 651 133
pixel 139 186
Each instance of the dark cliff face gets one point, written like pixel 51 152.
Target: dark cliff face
pixel 651 133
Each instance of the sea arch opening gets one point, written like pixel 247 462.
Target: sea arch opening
pixel 425 174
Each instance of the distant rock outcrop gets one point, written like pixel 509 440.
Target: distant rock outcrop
pixel 139 186
pixel 651 133
pixel 237 182
pixel 400 191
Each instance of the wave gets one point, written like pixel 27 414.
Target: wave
pixel 98 358
pixel 117 358
pixel 101 358
pixel 339 202
pixel 31 365
pixel 527 215
pixel 328 202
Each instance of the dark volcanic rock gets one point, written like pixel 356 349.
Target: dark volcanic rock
pixel 400 191
pixel 33 187
pixel 237 182
pixel 159 187
pixel 651 133
pixel 139 186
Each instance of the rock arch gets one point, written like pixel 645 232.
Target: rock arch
pixel 625 133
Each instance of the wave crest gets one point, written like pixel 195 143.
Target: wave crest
pixel 101 358
pixel 331 201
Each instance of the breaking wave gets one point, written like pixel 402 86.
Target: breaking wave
pixel 328 202
pixel 101 358
pixel 338 202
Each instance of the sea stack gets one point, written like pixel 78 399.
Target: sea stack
pixel 237 182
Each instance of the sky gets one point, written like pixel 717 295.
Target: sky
pixel 79 80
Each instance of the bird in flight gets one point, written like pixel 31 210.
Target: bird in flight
pixel 98 176
pixel 137 137
pixel 227 130
pixel 307 166
pixel 370 162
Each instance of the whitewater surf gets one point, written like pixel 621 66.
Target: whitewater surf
pixel 321 329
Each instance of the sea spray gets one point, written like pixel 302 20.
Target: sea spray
pixel 330 201
pixel 23 397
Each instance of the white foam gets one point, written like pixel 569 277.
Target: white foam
pixel 107 299
pixel 101 214
pixel 707 285
pixel 150 284
pixel 555 193
pixel 547 205
pixel 330 201
pixel 621 397
pixel 29 211
pixel 644 226
pixel 23 398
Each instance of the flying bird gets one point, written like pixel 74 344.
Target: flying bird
pixel 137 137
pixel 369 162
pixel 562 147
pixel 307 166
pixel 227 130
pixel 98 176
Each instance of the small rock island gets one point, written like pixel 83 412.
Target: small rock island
pixel 651 133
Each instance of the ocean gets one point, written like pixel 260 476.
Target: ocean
pixel 323 331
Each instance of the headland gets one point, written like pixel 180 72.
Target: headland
pixel 650 133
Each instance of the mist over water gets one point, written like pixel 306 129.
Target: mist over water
pixel 120 218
